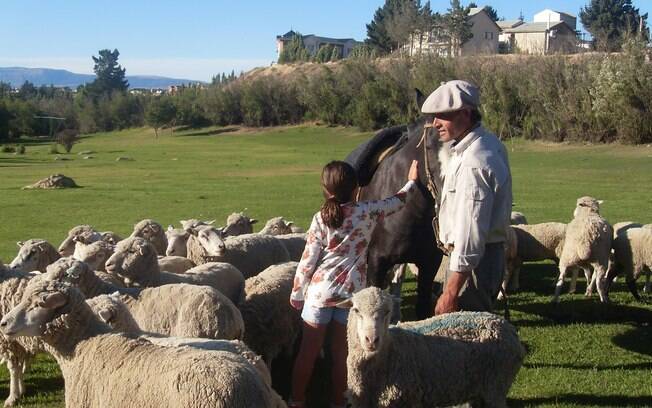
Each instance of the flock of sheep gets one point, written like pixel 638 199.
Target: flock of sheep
pixel 195 316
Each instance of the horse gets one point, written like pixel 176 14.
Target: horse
pixel 407 236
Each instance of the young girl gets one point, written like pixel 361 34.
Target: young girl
pixel 334 267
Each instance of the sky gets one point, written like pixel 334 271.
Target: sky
pixel 194 39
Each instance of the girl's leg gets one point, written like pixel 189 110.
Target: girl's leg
pixel 311 343
pixel 339 351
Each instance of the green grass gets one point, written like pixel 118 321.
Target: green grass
pixel 580 354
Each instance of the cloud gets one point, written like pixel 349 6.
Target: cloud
pixel 201 69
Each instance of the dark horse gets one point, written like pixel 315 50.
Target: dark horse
pixel 408 236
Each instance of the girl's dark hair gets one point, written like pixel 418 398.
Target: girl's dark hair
pixel 338 180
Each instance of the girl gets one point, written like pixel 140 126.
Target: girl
pixel 334 267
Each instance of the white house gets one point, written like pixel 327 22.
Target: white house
pixel 553 16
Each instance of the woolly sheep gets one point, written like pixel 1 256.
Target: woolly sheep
pixel 279 226
pixel 442 361
pixel 518 218
pixel 34 255
pixel 113 311
pixel 632 257
pixel 94 254
pixel 204 244
pixel 294 243
pixel 176 309
pixel 271 324
pixel 135 262
pixel 67 247
pixel 587 244
pixel 624 226
pixel 177 240
pixel 153 232
pixel 116 370
pixel 175 264
pixel 110 237
pixel 238 224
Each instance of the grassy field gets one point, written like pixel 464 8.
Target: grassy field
pixel 580 354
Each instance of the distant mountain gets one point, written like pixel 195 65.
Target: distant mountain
pixel 16 76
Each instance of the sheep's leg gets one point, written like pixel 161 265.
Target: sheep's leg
pixel 560 282
pixel 515 281
pixel 591 277
pixel 600 278
pixel 573 282
pixel 397 280
pixel 648 287
pixel 15 379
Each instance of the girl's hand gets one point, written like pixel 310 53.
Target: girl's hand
pixel 413 173
pixel 297 304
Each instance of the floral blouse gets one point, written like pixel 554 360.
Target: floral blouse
pixel 334 263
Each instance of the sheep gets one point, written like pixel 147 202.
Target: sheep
pixel 136 263
pixel 294 243
pixel 250 253
pixel 633 256
pixel 271 324
pixel 34 255
pixel 177 240
pixel 279 226
pixel 587 244
pixel 445 360
pixel 106 369
pixel 95 254
pixel 518 218
pixel 113 311
pixel 176 309
pixel 238 224
pixel 623 226
pixel 19 352
pixel 175 264
pixel 153 232
pixel 110 237
pixel 67 247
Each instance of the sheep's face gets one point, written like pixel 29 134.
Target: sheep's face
pixel 39 306
pixel 177 240
pixel 370 313
pixel 277 226
pixel 131 256
pixel 110 237
pixel 87 237
pixel 587 205
pixel 95 254
pixel 29 254
pixel 238 224
pixel 107 308
pixel 67 269
pixel 191 224
pixel 211 239
pixel 67 247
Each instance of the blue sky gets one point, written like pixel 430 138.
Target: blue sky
pixel 193 39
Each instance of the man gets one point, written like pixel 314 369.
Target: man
pixel 476 199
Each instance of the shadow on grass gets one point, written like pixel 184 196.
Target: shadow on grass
pixel 35 386
pixel 636 339
pixel 598 367
pixel 585 400
pixel 211 132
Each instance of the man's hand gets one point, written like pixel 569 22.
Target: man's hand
pixel 447 303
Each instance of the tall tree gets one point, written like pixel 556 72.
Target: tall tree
pixel 458 26
pixel 403 22
pixel 377 35
pixel 110 76
pixel 160 112
pixel 293 51
pixel 609 21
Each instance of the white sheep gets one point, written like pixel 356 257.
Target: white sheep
pixel 175 264
pixel 204 244
pixel 517 218
pixel 34 255
pixel 94 254
pixel 238 224
pixel 67 247
pixel 177 240
pixel 587 244
pixel 112 310
pixel 279 226
pixel 624 226
pixel 153 232
pixel 172 310
pixel 294 243
pixel 632 257
pixel 105 369
pixel 110 237
pixel 271 324
pixel 445 360
pixel 136 264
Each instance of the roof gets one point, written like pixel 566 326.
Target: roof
pixel 536 27
pixel 508 23
pixel 330 40
pixel 558 12
pixel 476 10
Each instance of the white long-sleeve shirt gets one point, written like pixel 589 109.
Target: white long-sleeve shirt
pixel 476 198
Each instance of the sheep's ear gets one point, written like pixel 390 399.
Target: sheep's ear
pixel 345 304
pixel 289 223
pixel 142 249
pixel 253 221
pixel 106 314
pixel 155 228
pixel 170 228
pixel 211 222
pixel 20 244
pixel 53 300
pixel 600 202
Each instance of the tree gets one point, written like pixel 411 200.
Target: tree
pixel 493 14
pixel 336 54
pixel 458 26
pixel 377 34
pixel 160 113
pixel 610 21
pixel 110 76
pixel 27 90
pixel 293 51
pixel 403 22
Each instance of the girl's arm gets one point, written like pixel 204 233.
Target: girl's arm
pixel 382 208
pixel 308 263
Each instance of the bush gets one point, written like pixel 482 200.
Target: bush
pixel 8 149
pixel 21 149
pixel 67 138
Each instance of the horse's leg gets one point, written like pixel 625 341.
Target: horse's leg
pixel 424 307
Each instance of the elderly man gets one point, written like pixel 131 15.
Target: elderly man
pixel 476 199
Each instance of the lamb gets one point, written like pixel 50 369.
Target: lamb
pixel 442 361
pixel 136 264
pixel 112 310
pixel 176 310
pixel 177 240
pixel 633 256
pixel 238 224
pixel 271 324
pixel 105 369
pixel 67 247
pixel 294 243
pixel 518 218
pixel 34 255
pixel 175 264
pixel 587 244
pixel 153 232
pixel 279 226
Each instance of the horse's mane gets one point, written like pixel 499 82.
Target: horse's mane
pixel 367 156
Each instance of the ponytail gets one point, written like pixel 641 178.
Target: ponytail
pixel 338 180
pixel 331 213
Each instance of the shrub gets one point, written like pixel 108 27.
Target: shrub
pixel 67 138
pixel 8 149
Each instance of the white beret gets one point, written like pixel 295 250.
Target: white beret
pixel 452 96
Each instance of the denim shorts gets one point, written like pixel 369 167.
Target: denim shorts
pixel 324 315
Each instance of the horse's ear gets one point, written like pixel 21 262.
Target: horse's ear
pixel 420 98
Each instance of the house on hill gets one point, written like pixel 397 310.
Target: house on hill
pixel 551 32
pixel 313 43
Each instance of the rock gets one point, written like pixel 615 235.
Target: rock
pixel 53 181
